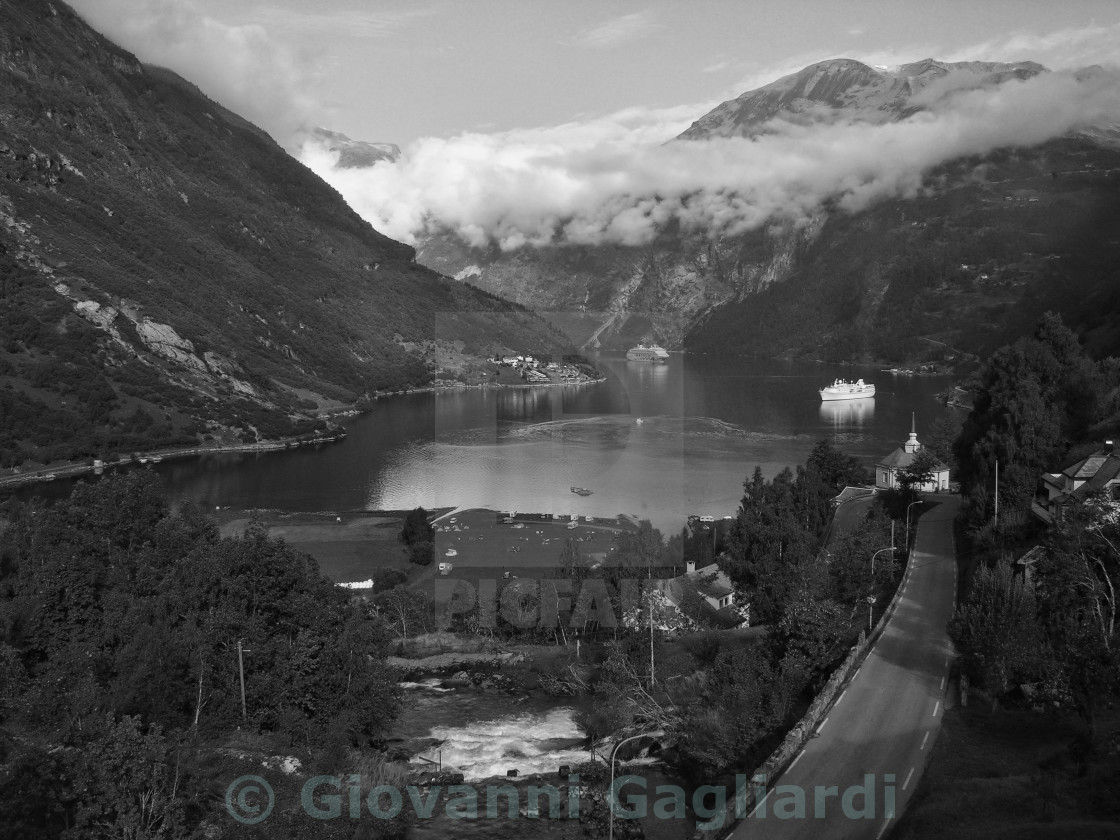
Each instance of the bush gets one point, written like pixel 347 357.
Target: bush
pixel 704 646
pixel 421 553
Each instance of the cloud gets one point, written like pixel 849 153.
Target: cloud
pixel 615 180
pixel 361 23
pixel 240 66
pixel 618 31
pixel 1071 48
pixel 719 63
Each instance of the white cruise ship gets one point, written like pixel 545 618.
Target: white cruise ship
pixel 647 353
pixel 841 389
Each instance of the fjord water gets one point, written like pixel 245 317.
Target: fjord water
pixel 655 441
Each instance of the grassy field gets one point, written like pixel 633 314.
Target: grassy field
pixel 349 545
pixel 1011 774
pixel 479 538
pixel 354 545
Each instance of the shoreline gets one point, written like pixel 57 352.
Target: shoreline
pixel 459 386
pixel 44 475
pixel 47 474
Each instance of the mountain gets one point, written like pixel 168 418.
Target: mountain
pixel 985 244
pixel 847 89
pixel 168 274
pixel 355 154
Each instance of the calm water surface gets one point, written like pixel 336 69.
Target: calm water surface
pixel 656 441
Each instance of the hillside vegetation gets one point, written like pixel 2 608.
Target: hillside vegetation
pixel 192 277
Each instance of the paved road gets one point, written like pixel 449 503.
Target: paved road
pixel 847 516
pixel 884 723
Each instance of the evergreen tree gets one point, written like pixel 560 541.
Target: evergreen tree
pixel 1033 399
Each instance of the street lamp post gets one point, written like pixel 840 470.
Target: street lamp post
pixel 876 554
pixel 870 604
pixel 657 733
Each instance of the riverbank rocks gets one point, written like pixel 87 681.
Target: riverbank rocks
pixel 556 687
pixel 444 662
pixel 428 779
pixel 403 749
pixel 483 679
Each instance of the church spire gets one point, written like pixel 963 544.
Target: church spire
pixel 912 444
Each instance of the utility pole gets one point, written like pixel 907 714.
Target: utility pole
pixel 241 671
pixel 995 516
pixel 649 568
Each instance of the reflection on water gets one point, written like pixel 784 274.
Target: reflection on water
pixel 706 422
pixel 663 468
pixel 845 413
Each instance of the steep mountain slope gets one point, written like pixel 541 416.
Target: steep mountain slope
pixel 950 274
pixel 167 270
pixel 986 243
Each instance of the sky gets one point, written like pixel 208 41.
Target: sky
pixel 525 120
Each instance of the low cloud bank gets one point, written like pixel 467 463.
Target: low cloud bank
pixel 615 180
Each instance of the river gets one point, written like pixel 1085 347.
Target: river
pixel 656 441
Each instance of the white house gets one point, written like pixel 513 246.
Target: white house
pixel 710 583
pixel 1087 475
pixel 886 471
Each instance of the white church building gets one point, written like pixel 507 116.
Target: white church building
pixel 886 471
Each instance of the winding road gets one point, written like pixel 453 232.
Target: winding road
pixel 855 776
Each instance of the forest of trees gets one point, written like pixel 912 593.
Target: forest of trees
pixel 121 629
pixel 776 537
pixel 1036 402
pixel 1051 625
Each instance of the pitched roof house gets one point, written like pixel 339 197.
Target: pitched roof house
pixel 708 588
pixel 1076 482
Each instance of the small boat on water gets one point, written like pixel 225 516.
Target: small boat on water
pixel 581 491
pixel 841 389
